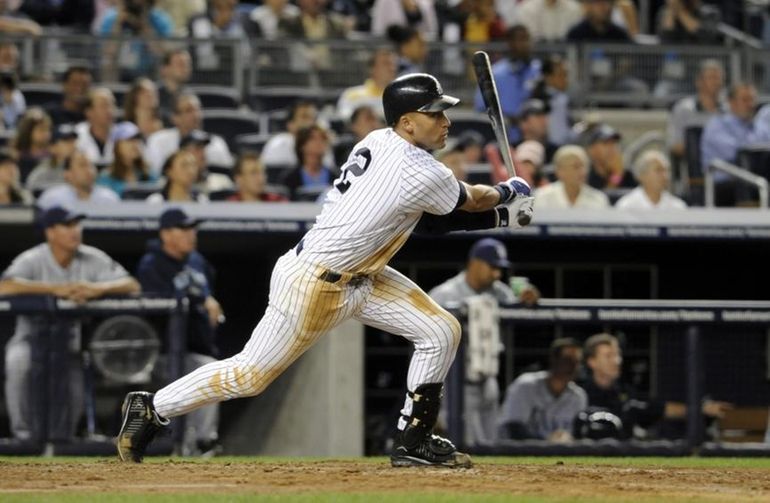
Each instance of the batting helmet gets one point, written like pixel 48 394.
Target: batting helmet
pixel 414 92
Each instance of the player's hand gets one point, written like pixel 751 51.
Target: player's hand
pixel 516 214
pixel 529 296
pixel 713 408
pixel 513 188
pixel 214 309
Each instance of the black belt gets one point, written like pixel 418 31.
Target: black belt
pixel 332 276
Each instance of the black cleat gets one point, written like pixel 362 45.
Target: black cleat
pixel 431 451
pixel 139 426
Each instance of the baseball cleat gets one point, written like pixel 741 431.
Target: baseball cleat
pixel 431 451
pixel 139 426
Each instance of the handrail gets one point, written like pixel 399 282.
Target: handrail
pixel 736 172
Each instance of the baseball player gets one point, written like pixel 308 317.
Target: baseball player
pixel 338 270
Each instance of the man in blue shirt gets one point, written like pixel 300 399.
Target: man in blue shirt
pixel 173 267
pixel 728 132
pixel 514 76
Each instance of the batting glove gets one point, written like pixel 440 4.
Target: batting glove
pixel 512 188
pixel 517 214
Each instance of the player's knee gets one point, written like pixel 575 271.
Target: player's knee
pixel 448 333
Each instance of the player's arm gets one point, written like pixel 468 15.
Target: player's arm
pixel 485 197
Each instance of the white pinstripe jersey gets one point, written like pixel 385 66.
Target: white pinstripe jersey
pixel 382 192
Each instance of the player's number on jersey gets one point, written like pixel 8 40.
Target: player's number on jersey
pixel 356 167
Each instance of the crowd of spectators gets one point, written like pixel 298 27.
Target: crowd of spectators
pixel 536 96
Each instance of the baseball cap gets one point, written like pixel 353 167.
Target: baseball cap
pixel 531 151
pixel 125 131
pixel 64 132
pixel 532 107
pixel 602 132
pixel 196 137
pixel 491 251
pixel 176 217
pixel 59 215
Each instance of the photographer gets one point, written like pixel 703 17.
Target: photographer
pixel 144 22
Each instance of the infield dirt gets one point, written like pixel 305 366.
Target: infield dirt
pixel 558 480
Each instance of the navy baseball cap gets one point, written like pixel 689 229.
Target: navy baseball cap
pixel 59 215
pixel 533 107
pixel 602 132
pixel 491 251
pixel 176 217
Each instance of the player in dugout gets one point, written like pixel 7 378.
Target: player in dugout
pixel 338 271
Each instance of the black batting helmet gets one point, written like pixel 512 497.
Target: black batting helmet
pixel 414 92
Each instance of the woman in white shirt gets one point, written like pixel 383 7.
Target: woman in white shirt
pixel 653 172
pixel 571 190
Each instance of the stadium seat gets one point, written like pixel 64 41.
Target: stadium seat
pixel 221 195
pixel 310 194
pixel 254 142
pixel 463 120
pixel 230 123
pixel 692 137
pixel 217 96
pixel 265 99
pixel 479 173
pixel 38 94
pixel 140 191
pixel 276 172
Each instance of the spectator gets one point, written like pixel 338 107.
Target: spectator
pixel 410 47
pixel 50 171
pixel 509 11
pixel 279 149
pixel 311 172
pixel 10 191
pixel 362 122
pixel 605 391
pixel 549 20
pixel 172 267
pixel 597 25
pixel 133 18
pixel 15 23
pixel 724 134
pixel 607 169
pixel 653 172
pixel 533 125
pixel 529 157
pixel 698 109
pixel 79 185
pixel 181 13
pixel 65 268
pixel 570 190
pixel 472 144
pixel 250 180
pixel 12 102
pixel 181 172
pixel 483 25
pixel 487 261
pixel 33 140
pixel 382 70
pixel 141 107
pixel 9 56
pixel 76 86
pixel 268 16
pixel 684 22
pixel 452 157
pixel 514 76
pixel 543 405
pixel 187 117
pixel 128 166
pixel 196 143
pixel 420 14
pixel 314 23
pixel 175 73
pixel 95 134
pixel 552 90
pixel 221 21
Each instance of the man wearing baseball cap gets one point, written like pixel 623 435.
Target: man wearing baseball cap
pixel 63 267
pixel 173 267
pixel 50 171
pixel 487 260
pixel 603 147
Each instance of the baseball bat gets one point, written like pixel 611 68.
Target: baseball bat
pixel 483 69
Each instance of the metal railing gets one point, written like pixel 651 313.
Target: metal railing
pixel 736 172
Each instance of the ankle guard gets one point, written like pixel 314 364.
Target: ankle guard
pixel 426 402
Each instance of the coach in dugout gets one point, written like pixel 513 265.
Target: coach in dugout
pixel 173 267
pixel 67 269
pixel 605 391
pixel 487 260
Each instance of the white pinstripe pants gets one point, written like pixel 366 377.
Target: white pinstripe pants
pixel 302 308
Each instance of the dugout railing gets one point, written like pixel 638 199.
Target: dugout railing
pixel 50 375
pixel 687 317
